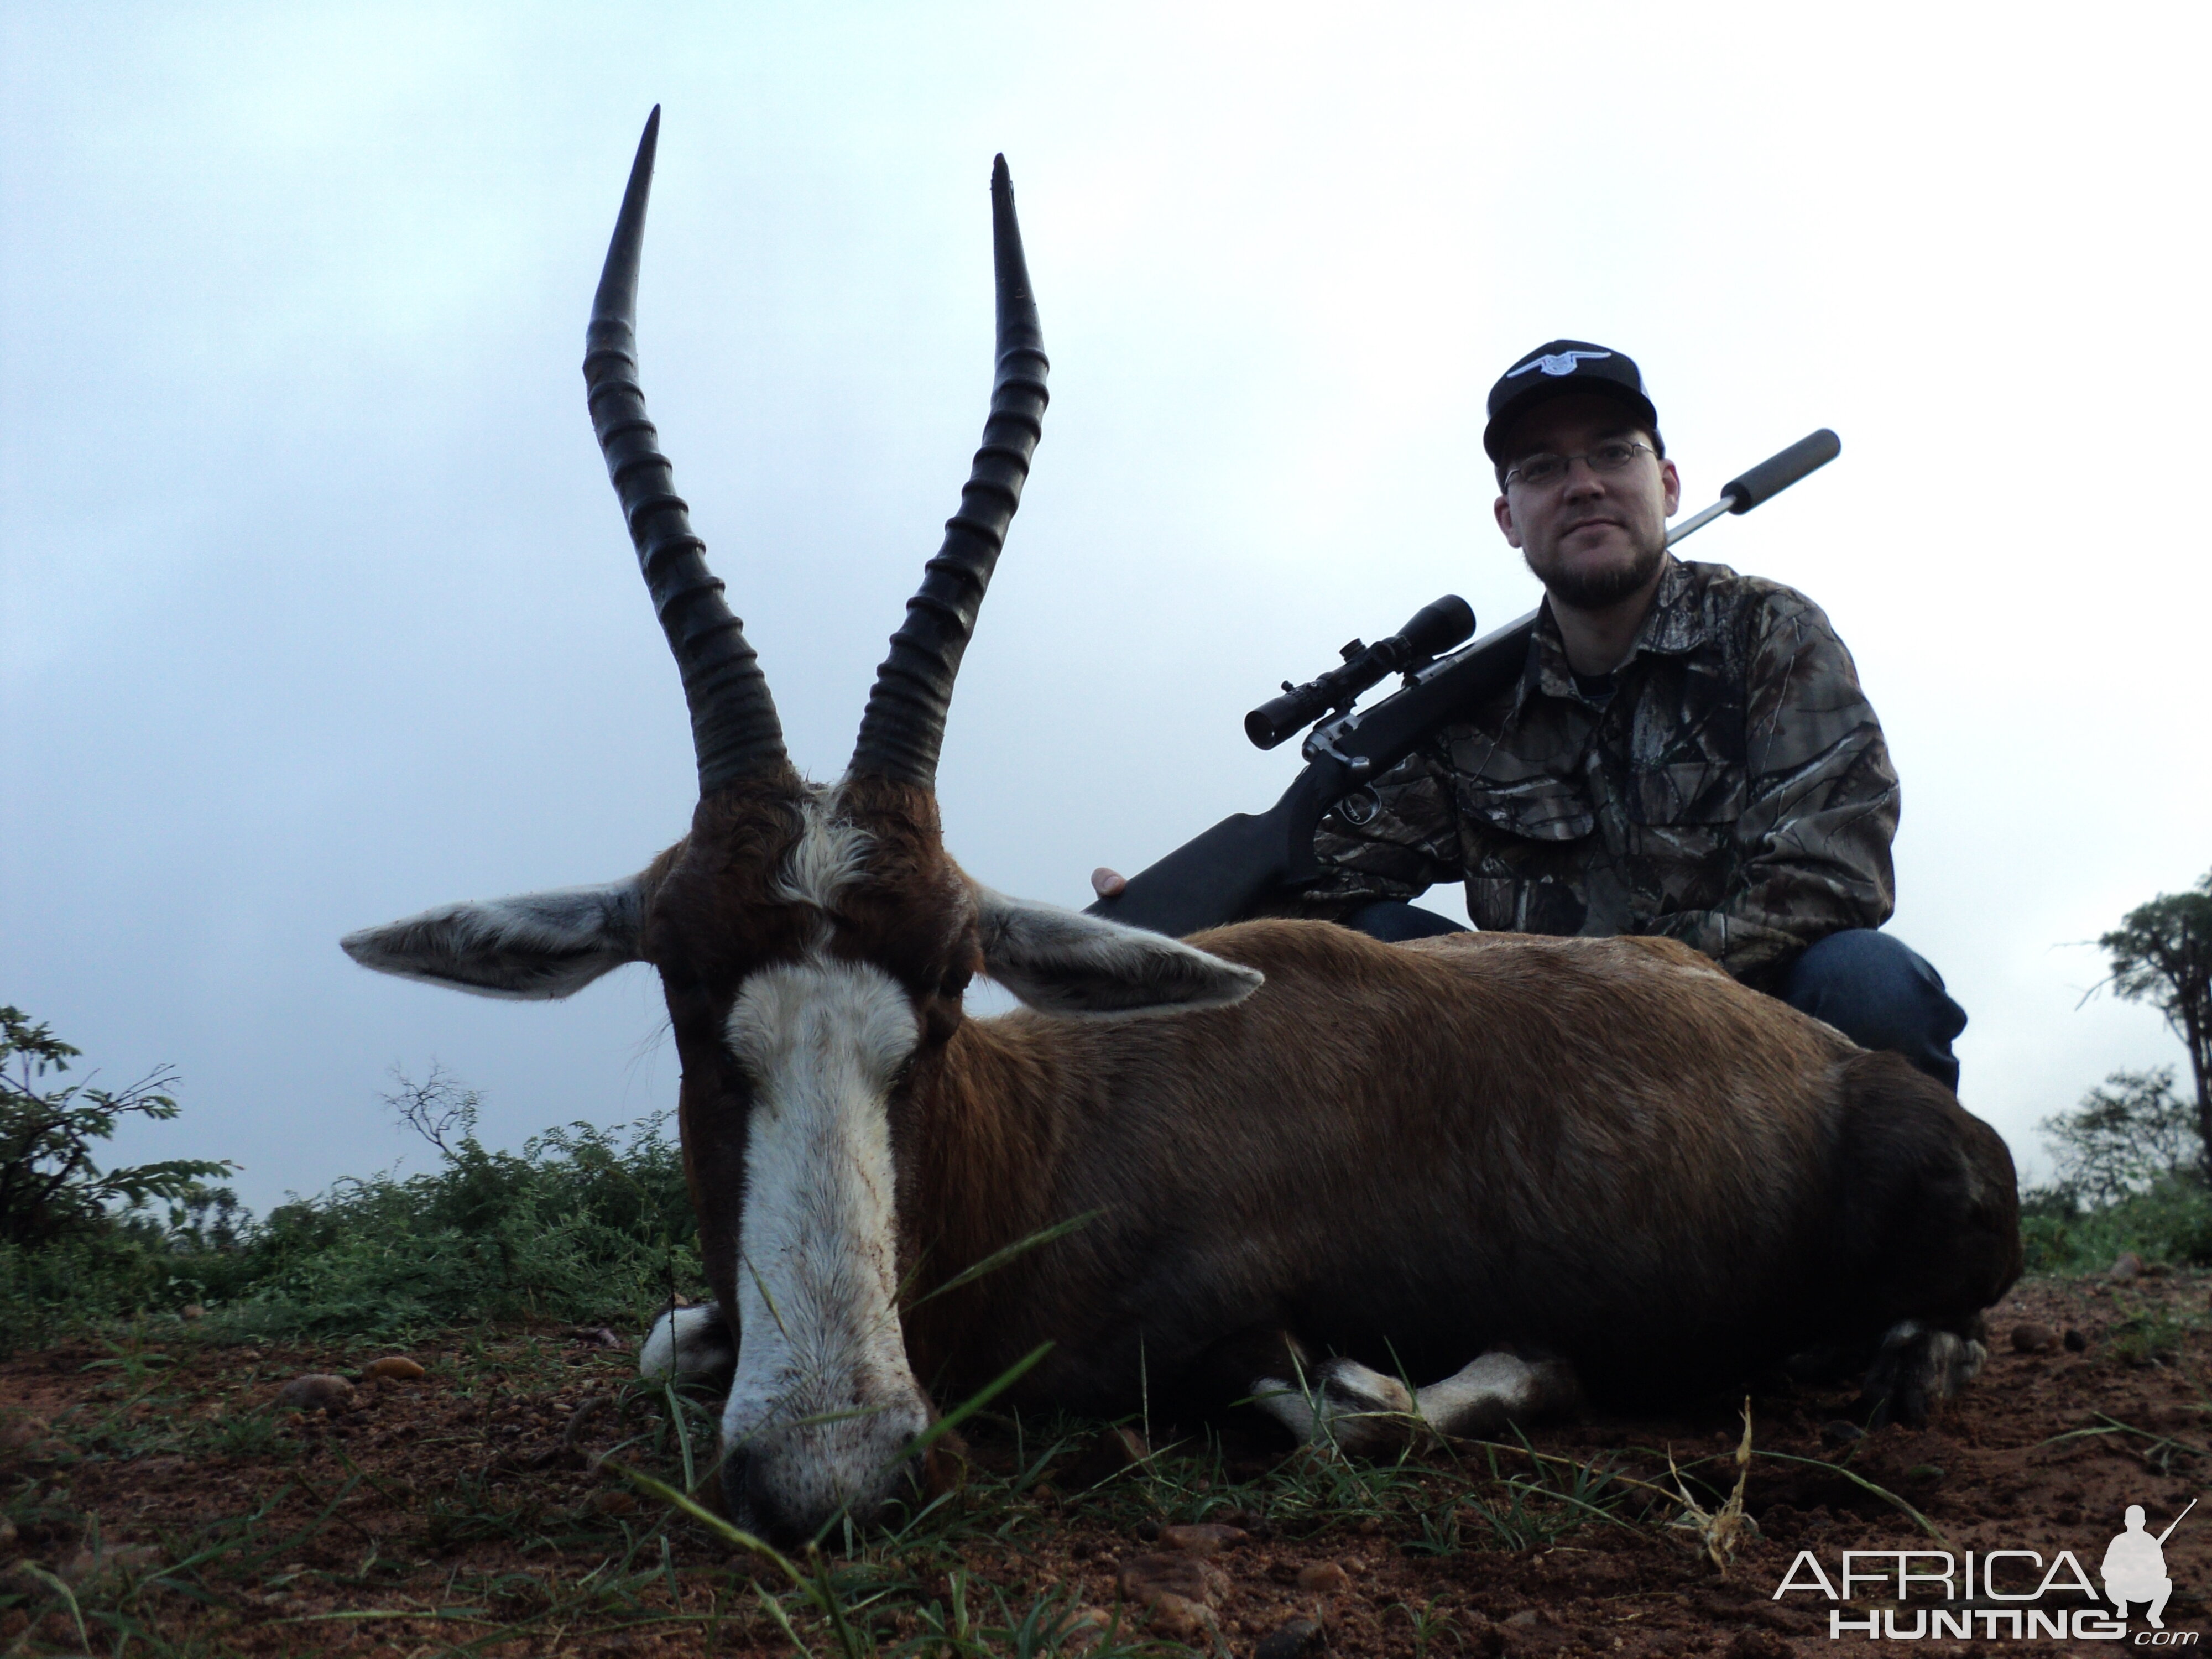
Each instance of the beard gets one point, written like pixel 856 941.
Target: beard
pixel 1594 590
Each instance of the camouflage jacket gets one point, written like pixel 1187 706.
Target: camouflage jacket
pixel 1729 788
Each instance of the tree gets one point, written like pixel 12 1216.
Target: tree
pixel 49 1183
pixel 2162 954
pixel 2122 1139
pixel 441 1109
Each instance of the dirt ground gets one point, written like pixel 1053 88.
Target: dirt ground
pixel 158 1501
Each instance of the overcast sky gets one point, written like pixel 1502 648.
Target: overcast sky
pixel 316 608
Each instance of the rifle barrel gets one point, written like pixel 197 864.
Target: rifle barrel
pixel 2177 1520
pixel 1765 481
pixel 1690 525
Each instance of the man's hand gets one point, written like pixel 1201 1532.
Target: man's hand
pixel 1108 883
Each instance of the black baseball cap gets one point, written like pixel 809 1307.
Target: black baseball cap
pixel 1556 369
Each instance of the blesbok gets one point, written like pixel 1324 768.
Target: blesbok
pixel 1525 1165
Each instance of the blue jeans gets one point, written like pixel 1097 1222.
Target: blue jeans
pixel 1880 993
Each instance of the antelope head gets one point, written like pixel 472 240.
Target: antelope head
pixel 813 943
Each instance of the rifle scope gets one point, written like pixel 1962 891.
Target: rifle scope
pixel 1434 629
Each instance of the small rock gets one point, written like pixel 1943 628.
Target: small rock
pixel 2032 1338
pixel 2075 1342
pixel 1294 1638
pixel 1144 1579
pixel 2125 1266
pixel 191 1311
pixel 1180 1619
pixel 317 1393
pixel 1527 1619
pixel 1840 1433
pixel 88 1565
pixel 1323 1578
pixel 1207 1538
pixel 392 1368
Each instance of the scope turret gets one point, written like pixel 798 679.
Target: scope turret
pixel 1434 629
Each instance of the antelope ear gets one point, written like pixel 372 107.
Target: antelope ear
pixel 1062 961
pixel 532 947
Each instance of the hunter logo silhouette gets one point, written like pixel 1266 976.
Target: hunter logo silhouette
pixel 2135 1566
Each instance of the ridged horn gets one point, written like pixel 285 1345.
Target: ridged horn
pixel 904 726
pixel 734 730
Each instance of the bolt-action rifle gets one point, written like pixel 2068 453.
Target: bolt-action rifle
pixel 1249 859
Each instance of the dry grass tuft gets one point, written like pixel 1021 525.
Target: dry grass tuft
pixel 1720 1531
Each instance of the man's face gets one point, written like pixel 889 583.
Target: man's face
pixel 1591 538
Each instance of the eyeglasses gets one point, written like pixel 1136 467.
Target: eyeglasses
pixel 1612 456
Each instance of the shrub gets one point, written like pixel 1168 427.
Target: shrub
pixel 2171 1222
pixel 581 1224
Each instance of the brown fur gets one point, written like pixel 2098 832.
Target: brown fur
pixel 1606 1148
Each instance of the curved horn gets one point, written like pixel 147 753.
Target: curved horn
pixel 904 725
pixel 734 730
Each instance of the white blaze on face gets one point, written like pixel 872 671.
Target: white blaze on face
pixel 823 1398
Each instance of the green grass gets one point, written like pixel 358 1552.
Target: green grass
pixel 2150 1336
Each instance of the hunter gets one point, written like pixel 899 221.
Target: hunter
pixel 1687 751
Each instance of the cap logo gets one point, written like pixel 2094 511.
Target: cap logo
pixel 1555 362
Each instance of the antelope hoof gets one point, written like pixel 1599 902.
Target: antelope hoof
pixel 1918 1367
pixel 1498 1388
pixel 689 1345
pixel 1342 1403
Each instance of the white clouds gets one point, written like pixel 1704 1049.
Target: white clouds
pixel 302 518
